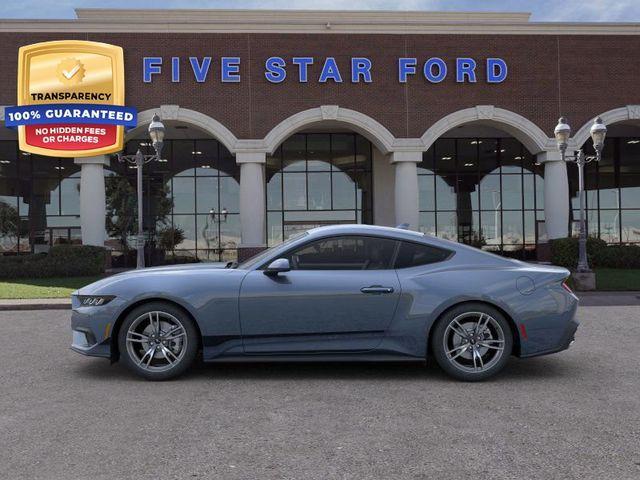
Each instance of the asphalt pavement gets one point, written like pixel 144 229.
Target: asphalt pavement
pixel 571 415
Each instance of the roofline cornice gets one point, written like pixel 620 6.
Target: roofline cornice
pixel 308 21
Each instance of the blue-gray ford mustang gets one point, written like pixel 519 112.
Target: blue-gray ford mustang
pixel 350 292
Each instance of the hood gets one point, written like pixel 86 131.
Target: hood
pixel 106 284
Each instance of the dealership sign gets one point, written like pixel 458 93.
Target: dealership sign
pixel 323 70
pixel 70 99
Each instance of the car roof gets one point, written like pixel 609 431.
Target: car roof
pixel 359 229
pixel 399 234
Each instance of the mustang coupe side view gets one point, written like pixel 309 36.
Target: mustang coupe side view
pixel 339 293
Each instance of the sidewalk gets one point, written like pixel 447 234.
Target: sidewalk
pixel 608 299
pixel 587 299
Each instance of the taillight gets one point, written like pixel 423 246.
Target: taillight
pixel 566 287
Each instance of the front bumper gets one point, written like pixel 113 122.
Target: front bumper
pixel 91 327
pixel 83 342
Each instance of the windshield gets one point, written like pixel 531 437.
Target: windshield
pixel 260 257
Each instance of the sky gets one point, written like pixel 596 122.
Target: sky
pixel 542 10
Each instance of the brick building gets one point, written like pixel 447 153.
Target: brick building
pixel 279 121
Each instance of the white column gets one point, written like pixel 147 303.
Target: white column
pixel 556 194
pixel 92 199
pixel 406 187
pixel 384 212
pixel 252 198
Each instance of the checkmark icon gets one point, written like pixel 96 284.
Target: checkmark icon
pixel 71 73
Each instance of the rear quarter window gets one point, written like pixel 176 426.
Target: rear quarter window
pixel 415 254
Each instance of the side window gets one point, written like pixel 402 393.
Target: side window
pixel 344 253
pixel 415 254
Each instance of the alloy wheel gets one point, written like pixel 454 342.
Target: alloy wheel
pixel 474 342
pixel 156 341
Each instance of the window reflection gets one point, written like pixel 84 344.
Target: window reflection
pixel 612 191
pixel 207 194
pixel 486 192
pixel 200 181
pixel 317 179
pixel 39 200
pixel 319 191
pixel 630 221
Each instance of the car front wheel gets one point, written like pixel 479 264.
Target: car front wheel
pixel 472 342
pixel 158 341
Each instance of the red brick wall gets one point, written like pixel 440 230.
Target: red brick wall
pixel 578 76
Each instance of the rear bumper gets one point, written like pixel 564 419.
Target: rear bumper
pixel 565 342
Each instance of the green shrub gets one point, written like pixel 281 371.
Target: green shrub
pixel 179 259
pixel 61 261
pixel 169 237
pixel 564 252
pixel 618 256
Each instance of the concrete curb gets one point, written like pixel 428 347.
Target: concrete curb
pixel 35 304
pixel 608 299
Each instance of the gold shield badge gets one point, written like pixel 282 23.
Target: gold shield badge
pixel 70 85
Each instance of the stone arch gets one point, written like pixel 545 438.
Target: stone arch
pixel 622 114
pixel 527 132
pixel 197 119
pixel 374 131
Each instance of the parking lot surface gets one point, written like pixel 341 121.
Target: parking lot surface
pixel 571 415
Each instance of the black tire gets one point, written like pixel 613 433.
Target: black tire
pixel 445 338
pixel 160 366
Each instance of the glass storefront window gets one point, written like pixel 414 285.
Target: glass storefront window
pixel 630 189
pixel 183 189
pixel 70 195
pixel 294 189
pixel 39 198
pixel 612 190
pixel 512 192
pixel 320 191
pixel 630 225
pixel 486 192
pixel 196 189
pixel 318 179
pixel 426 187
pixel 207 194
pixel 445 195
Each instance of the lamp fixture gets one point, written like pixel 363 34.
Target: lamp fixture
pixel 222 216
pixel 562 133
pixel 156 134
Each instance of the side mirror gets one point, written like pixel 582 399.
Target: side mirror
pixel 279 265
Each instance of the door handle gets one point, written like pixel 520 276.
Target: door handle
pixel 376 289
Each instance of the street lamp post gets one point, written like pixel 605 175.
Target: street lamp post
pixel 562 133
pixel 156 133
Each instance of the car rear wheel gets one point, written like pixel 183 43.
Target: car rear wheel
pixel 472 342
pixel 158 341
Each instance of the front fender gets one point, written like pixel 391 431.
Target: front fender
pixel 209 296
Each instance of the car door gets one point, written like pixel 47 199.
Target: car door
pixel 339 296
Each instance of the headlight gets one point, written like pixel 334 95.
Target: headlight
pixel 94 300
